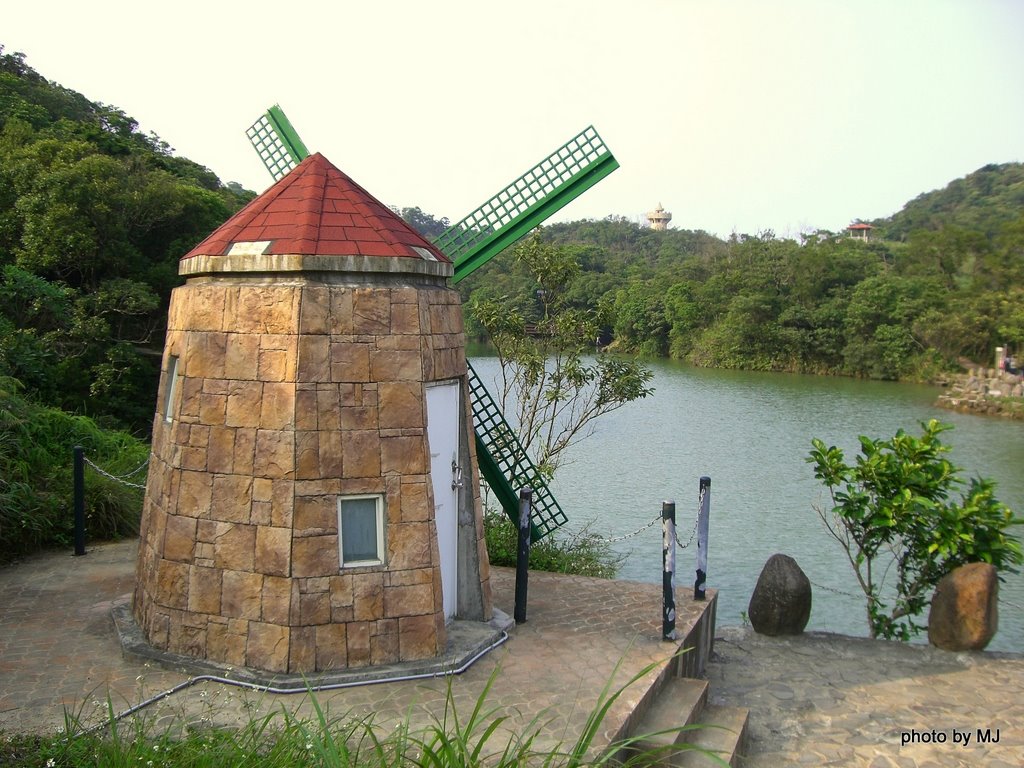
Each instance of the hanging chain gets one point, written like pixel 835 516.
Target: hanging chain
pixel 834 590
pixel 860 597
pixel 135 471
pixel 637 532
pixel 645 526
pixel 696 520
pixel 115 478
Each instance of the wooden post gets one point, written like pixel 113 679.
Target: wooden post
pixel 668 570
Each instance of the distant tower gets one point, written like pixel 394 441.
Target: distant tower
pixel 659 218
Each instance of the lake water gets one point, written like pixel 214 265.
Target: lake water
pixel 750 433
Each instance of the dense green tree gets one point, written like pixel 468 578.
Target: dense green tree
pixel 641 317
pixel 894 512
pixel 424 223
pixel 1010 328
pixel 879 322
pixel 94 216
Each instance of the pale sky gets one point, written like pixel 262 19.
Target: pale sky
pixel 737 116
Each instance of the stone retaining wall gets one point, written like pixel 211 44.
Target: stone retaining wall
pixel 987 391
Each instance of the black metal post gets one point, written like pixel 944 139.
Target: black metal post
pixel 668 570
pixel 702 538
pixel 78 471
pixel 523 554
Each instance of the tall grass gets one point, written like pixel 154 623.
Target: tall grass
pixel 36 476
pixel 281 739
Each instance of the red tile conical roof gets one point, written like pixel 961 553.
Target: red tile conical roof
pixel 317 210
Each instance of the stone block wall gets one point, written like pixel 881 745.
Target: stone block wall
pixel 985 390
pixel 288 395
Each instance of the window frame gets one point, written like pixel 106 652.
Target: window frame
pixel 170 388
pixel 378 499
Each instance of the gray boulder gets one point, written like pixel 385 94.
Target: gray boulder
pixel 965 608
pixel 781 602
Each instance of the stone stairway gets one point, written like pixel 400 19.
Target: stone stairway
pixel 676 724
pixel 680 728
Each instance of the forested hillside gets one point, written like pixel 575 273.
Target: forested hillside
pixel 984 202
pixel 939 282
pixel 94 216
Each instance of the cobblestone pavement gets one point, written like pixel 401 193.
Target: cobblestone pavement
pixel 814 700
pixel 823 699
pixel 58 649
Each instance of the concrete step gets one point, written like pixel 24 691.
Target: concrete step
pixel 680 701
pixel 722 732
pixel 677 705
pixel 681 729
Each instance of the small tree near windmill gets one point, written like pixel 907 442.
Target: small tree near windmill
pixel 893 512
pixel 552 378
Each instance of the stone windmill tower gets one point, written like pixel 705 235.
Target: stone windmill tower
pixel 313 497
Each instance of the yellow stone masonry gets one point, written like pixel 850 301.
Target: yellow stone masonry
pixel 289 394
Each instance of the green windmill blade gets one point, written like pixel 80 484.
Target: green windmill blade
pixel 277 142
pixel 502 220
pixel 511 213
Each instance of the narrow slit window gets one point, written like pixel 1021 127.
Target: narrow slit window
pixel 361 530
pixel 171 387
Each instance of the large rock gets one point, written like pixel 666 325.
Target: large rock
pixel 781 603
pixel 965 608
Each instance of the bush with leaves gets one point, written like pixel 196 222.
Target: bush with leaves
pixel 894 510
pixel 35 476
pixel 583 553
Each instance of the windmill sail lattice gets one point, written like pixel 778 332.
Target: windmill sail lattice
pixel 510 214
pixel 277 142
pixel 506 465
pixel 502 220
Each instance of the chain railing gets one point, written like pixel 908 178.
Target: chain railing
pixel 78 464
pixel 630 535
pixel 122 479
pixel 657 519
pixel 834 590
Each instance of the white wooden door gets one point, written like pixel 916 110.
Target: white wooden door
pixel 446 477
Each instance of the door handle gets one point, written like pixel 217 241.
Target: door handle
pixel 457 481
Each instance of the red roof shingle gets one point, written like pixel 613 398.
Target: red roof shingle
pixel 318 210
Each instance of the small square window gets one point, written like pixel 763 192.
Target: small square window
pixel 170 387
pixel 361 530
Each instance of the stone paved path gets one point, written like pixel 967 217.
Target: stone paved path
pixel 58 648
pixel 822 699
pixel 814 700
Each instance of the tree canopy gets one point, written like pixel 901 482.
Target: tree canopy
pixel 94 216
pixel 938 284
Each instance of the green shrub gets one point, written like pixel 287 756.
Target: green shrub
pixel 893 513
pixel 582 553
pixel 36 482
